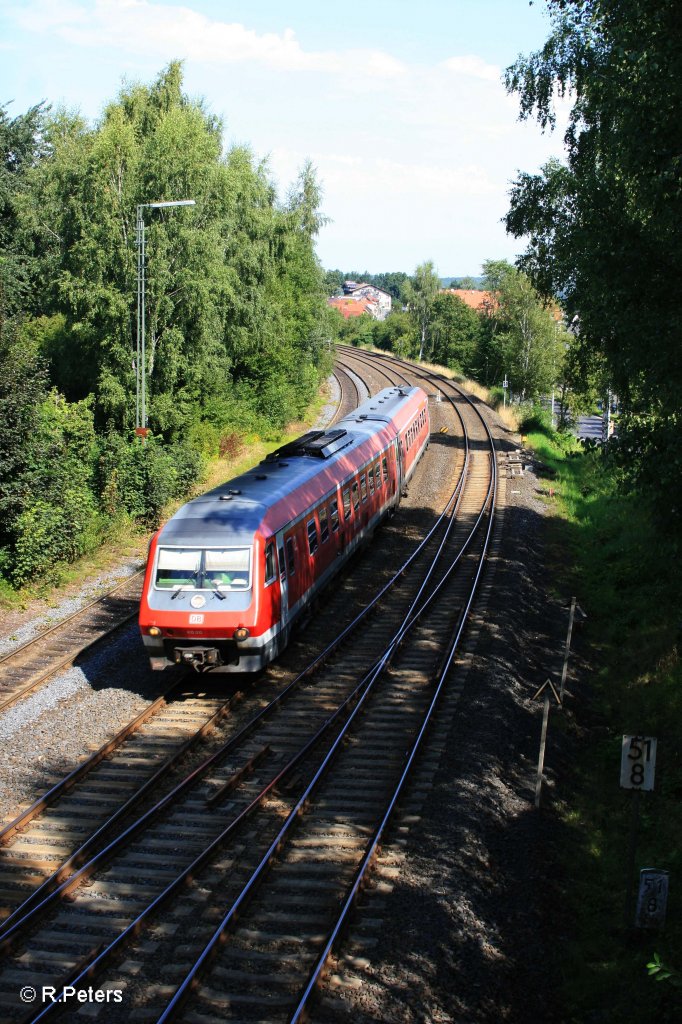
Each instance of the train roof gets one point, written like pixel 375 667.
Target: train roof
pixel 232 512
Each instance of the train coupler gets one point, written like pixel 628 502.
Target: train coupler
pixel 198 657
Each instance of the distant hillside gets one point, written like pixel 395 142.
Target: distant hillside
pixel 465 281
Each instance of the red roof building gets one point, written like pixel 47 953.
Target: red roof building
pixel 349 307
pixel 471 297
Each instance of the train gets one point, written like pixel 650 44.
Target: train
pixel 233 570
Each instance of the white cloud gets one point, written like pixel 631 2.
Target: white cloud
pixel 471 66
pixel 415 159
pixel 401 179
pixel 154 29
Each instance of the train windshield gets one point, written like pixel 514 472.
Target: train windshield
pixel 203 569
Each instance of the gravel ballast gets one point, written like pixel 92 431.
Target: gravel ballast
pixel 456 926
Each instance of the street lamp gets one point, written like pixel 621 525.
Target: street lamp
pixel 140 361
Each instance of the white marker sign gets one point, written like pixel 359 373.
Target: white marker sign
pixel 638 762
pixel 652 898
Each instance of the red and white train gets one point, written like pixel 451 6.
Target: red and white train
pixel 229 574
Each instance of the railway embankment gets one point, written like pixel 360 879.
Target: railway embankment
pixel 607 549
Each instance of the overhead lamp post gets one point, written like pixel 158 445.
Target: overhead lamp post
pixel 140 360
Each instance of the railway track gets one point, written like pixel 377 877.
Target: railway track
pixel 29 666
pixel 328 764
pixel 349 393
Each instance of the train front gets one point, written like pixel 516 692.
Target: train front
pixel 200 603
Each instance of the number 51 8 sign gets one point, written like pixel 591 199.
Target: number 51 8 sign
pixel 638 762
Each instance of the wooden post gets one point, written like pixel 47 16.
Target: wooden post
pixel 567 651
pixel 632 853
pixel 546 687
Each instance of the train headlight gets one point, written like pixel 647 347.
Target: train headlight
pixel 154 631
pixel 241 633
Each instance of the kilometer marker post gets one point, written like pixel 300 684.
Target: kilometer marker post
pixel 546 687
pixel 637 772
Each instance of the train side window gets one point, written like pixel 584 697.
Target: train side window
pixel 312 536
pixel 356 495
pixel 370 477
pixel 334 514
pixel 384 467
pixel 377 475
pixel 324 524
pixel 291 556
pixel 270 563
pixel 363 486
pixel 346 503
pixel 282 563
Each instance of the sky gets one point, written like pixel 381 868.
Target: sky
pixel 399 105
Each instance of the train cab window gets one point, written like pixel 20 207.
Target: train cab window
pixel 291 556
pixel 384 467
pixel 370 478
pixel 346 503
pixel 363 487
pixel 324 524
pixel 334 514
pixel 356 495
pixel 203 569
pixel 312 536
pixel 282 563
pixel 270 563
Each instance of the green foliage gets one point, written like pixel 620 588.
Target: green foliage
pixel 659 971
pixel 48 533
pixel 392 282
pixel 536 418
pixel 610 218
pixel 237 329
pixel 420 293
pixel 234 293
pixel 456 333
pixel 519 337
pixel 23 387
pixel 141 479
pixel 610 554
pixel 21 145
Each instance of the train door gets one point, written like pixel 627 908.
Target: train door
pixel 401 466
pixel 283 579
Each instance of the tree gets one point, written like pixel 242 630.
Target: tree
pixel 235 309
pixel 420 292
pixel 466 283
pixel 456 330
pixel 21 147
pixel 521 337
pixel 606 227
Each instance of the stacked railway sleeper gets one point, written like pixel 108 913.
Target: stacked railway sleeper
pixel 28 666
pixel 213 855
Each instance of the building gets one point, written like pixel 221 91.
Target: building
pixel 350 306
pixel 471 297
pixel 381 299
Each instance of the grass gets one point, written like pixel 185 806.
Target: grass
pixel 606 547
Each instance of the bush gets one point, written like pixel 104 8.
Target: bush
pixel 140 479
pixel 536 418
pixel 46 534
